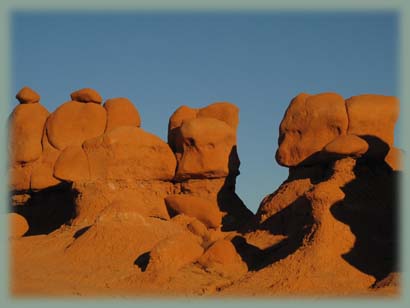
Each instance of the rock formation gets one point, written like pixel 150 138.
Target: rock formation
pixel 338 219
pixel 204 142
pixel 102 207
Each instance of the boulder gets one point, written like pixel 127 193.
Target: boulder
pixel 222 257
pixel 173 253
pixel 205 211
pixel 198 228
pixel 72 165
pixel 72 123
pixel 121 112
pixel 373 117
pixel 26 130
pixel 129 153
pixel 144 197
pixel 19 177
pixel 18 225
pixel 183 113
pixel 223 111
pixel 86 95
pixel 28 96
pixel 42 175
pixel 206 148
pixel 346 145
pixel 310 123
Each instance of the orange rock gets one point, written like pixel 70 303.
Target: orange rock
pixel 26 129
pixel 198 228
pixel 394 159
pixel 183 113
pixel 220 191
pixel 28 96
pixel 86 95
pixel 121 112
pixel 72 165
pixel 205 211
pixel 373 117
pixel 207 149
pixel 144 197
pixel 129 153
pixel 20 176
pixel 310 122
pixel 72 123
pixel 117 238
pixel 42 173
pixel 124 209
pixel 223 111
pixel 287 194
pixel 223 258
pixel 173 253
pixel 18 225
pixel 347 145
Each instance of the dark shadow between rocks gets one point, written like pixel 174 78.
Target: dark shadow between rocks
pixel 228 201
pixel 371 210
pixel 48 209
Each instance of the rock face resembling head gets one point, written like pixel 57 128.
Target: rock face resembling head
pixel 310 122
pixel 322 127
pixel 204 141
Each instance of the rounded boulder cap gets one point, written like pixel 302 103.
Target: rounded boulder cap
pixel 86 95
pixel 27 96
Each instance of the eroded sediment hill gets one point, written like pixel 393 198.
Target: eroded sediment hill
pixel 102 207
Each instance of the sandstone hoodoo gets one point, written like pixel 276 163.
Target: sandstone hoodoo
pixel 99 206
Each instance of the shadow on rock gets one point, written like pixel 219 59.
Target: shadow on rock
pixel 370 208
pixel 48 209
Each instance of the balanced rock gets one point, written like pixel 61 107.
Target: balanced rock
pixel 86 95
pixel 310 122
pixel 26 130
pixel 205 211
pixel 18 225
pixel 28 96
pixel 121 112
pixel 72 123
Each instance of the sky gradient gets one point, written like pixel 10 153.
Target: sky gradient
pixel 258 61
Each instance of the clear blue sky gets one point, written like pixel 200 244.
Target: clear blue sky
pixel 258 61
